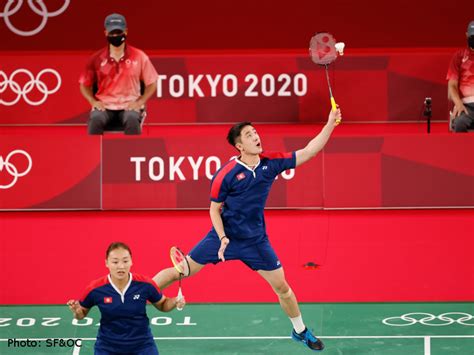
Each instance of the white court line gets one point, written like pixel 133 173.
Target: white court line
pixel 77 347
pixel 427 346
pixel 322 337
pixel 281 337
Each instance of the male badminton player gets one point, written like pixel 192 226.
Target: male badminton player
pixel 239 191
pixel 121 298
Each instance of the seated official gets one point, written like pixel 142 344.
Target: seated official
pixel 461 84
pixel 111 81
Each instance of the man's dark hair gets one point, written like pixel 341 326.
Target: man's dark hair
pixel 235 131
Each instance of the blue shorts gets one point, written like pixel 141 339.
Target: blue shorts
pixel 257 253
pixel 151 350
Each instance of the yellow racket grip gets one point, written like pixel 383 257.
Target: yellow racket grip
pixel 334 108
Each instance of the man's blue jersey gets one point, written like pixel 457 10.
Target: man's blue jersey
pixel 124 325
pixel 244 192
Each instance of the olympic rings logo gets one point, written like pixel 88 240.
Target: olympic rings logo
pixel 12 169
pixel 33 82
pixel 430 319
pixel 38 8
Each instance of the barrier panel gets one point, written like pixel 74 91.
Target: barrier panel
pixel 170 167
pixel 363 256
pixel 399 171
pixel 49 171
pixel 173 166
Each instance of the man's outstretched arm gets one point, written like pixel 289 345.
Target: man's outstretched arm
pixel 318 142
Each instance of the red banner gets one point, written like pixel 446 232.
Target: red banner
pixel 223 87
pixel 399 171
pixel 170 167
pixel 49 171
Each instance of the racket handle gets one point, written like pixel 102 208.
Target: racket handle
pixel 333 104
pixel 179 297
pixel 334 108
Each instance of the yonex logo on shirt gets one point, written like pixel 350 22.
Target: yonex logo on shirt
pixel 264 167
pixel 107 299
pixel 136 297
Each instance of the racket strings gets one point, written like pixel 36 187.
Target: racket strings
pixel 180 261
pixel 322 48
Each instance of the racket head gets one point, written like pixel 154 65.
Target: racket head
pixel 322 48
pixel 179 260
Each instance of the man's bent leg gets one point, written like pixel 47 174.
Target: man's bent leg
pixel 97 121
pixel 167 276
pixel 288 302
pixel 131 122
pixel 462 123
pixel 276 279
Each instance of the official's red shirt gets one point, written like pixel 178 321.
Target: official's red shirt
pixel 462 70
pixel 118 82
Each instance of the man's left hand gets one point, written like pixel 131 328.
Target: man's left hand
pixel 135 106
pixel 224 242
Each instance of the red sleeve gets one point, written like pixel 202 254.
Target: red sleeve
pixel 149 74
pixel 155 293
pixel 454 66
pixel 218 187
pixel 276 155
pixel 86 300
pixel 280 162
pixel 88 77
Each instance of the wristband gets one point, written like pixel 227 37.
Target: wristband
pixel 224 236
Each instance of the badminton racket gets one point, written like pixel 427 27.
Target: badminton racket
pixel 322 50
pixel 181 265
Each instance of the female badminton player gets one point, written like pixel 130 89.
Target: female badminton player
pixel 121 298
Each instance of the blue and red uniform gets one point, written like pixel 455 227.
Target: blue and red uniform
pixel 124 325
pixel 244 192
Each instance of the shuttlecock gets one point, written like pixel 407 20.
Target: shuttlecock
pixel 340 47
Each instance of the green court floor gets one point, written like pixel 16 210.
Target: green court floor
pixel 346 328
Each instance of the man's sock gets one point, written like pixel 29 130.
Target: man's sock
pixel 298 324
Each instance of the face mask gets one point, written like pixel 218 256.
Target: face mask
pixel 470 41
pixel 116 41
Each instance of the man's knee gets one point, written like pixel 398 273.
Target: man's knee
pixel 97 122
pixel 461 123
pixel 284 293
pixel 282 289
pixel 131 122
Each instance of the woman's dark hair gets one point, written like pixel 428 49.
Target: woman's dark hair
pixel 117 245
pixel 235 131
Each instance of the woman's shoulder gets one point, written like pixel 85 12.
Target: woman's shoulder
pixel 144 279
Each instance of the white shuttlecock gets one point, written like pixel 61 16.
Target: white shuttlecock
pixel 340 47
